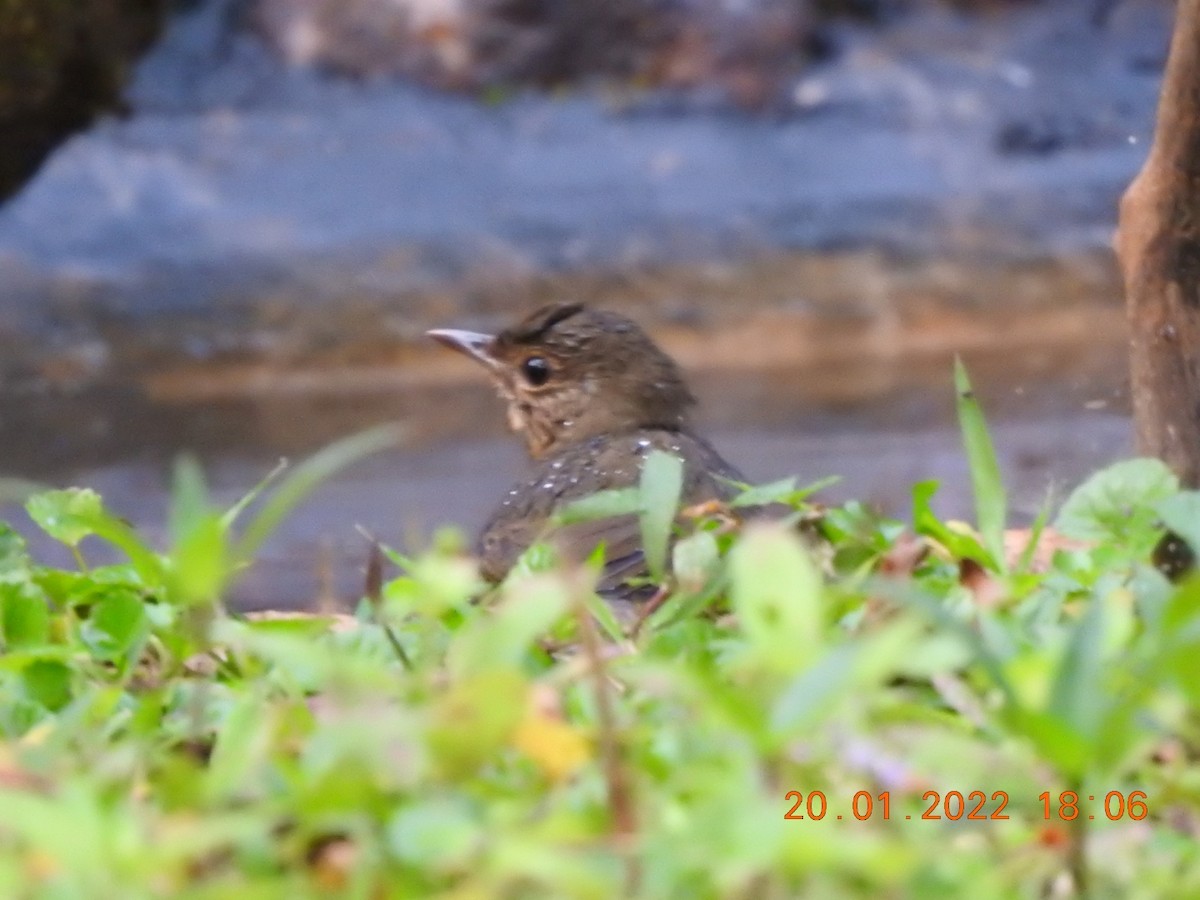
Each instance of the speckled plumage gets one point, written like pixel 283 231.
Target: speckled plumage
pixel 609 397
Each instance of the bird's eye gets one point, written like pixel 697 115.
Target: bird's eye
pixel 536 370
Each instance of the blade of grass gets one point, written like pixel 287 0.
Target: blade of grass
pixel 306 477
pixel 230 515
pixel 986 484
pixel 1035 537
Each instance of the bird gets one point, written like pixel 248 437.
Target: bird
pixel 592 395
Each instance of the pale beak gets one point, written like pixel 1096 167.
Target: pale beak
pixel 472 343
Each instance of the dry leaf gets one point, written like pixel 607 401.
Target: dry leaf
pixel 556 747
pixel 1016 542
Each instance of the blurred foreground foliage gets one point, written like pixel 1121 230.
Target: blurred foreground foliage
pixel 152 744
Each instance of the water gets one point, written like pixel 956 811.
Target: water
pixel 402 496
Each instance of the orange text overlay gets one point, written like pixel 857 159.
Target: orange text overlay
pixel 971 805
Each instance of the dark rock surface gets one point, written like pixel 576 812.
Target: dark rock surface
pixel 237 195
pixel 62 64
pixel 743 51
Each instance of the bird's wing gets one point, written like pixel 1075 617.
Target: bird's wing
pixel 622 540
pixel 527 517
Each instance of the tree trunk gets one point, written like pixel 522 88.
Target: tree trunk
pixel 1158 246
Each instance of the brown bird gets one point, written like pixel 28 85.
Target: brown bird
pixel 592 395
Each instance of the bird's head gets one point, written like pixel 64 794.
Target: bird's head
pixel 569 373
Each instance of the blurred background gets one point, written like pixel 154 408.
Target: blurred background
pixel 226 224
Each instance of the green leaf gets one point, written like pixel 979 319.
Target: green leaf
pixel 986 483
pixel 48 683
pixel 1178 636
pixel 502 638
pixel 1035 538
pixel 777 594
pixel 1078 697
pixel 782 491
pixel 200 564
pixel 1118 503
pixel 68 516
pixel 472 721
pixel 116 626
pixel 199 561
pixel 26 618
pixel 440 832
pixel 661 486
pixel 812 691
pixel 14 557
pixel 189 498
pixel 695 560
pixel 601 505
pixel 73 514
pixel 762 494
pixel 603 614
pixel 242 743
pixel 926 522
pixel 1181 514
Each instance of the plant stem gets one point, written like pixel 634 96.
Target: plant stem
pixel 620 797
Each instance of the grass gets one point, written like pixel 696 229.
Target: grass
pixel 895 709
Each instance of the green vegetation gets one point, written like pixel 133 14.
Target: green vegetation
pixel 154 745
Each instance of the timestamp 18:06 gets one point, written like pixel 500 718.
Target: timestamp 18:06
pixel 974 806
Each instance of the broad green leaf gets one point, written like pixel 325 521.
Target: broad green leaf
pixel 852 667
pixel 695 560
pixel 778 595
pixel 48 683
pixel 68 515
pixel 26 618
pixel 116 625
pixel 661 485
pixel 71 515
pixel 1181 514
pixel 986 483
pixel 1118 503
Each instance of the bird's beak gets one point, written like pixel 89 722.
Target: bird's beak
pixel 472 343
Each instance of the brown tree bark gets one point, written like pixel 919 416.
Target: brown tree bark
pixel 1158 246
